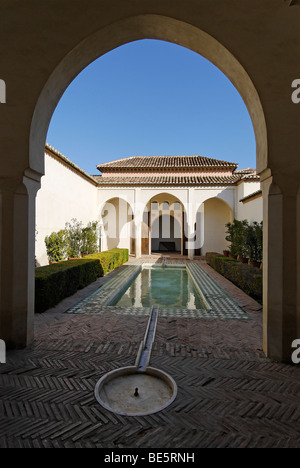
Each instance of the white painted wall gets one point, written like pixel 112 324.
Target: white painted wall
pixel 63 195
pixel 252 210
pixel 216 214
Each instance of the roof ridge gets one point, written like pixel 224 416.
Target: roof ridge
pixel 203 160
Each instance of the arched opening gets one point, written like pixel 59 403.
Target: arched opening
pixel 132 29
pixel 212 217
pixel 163 225
pixel 166 234
pixel 116 225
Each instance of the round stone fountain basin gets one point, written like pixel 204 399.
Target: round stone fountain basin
pixel 130 392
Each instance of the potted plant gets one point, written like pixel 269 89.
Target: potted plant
pixel 230 237
pixel 236 235
pixel 255 243
pixel 242 229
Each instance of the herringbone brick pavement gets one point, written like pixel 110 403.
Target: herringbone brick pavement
pixel 228 397
pixel 229 393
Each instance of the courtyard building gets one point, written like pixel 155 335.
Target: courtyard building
pixel 255 43
pixel 148 204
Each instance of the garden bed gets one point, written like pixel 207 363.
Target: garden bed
pixel 55 282
pixel 245 276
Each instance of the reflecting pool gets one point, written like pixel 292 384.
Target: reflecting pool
pixel 170 287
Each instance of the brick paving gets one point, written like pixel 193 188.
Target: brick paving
pixel 229 393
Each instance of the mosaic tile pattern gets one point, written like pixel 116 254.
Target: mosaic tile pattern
pixel 220 305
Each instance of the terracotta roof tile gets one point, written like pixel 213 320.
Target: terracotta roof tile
pixel 168 180
pixel 156 162
pixel 252 195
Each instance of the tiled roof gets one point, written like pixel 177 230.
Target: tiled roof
pixel 252 195
pixel 168 180
pixel 156 162
pixel 249 170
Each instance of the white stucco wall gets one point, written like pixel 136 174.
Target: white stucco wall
pixel 216 215
pixel 63 195
pixel 252 210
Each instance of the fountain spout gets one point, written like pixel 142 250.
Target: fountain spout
pixel 144 354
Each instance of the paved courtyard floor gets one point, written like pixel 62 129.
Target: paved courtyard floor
pixel 229 393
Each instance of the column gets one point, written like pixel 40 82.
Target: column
pixel 138 219
pixel 138 236
pixel 17 255
pixel 280 268
pixel 191 220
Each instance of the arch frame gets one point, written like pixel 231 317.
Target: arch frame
pixel 147 26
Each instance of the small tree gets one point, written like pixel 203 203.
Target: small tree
pixel 56 246
pixel 89 239
pixel 237 235
pixel 74 238
pixel 241 237
pixel 230 238
pixel 255 241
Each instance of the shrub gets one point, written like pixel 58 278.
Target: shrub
pixel 111 259
pixel 56 246
pixel 74 238
pixel 89 238
pixel 245 240
pixel 74 241
pixel 255 242
pixel 55 282
pixel 237 236
pixel 246 277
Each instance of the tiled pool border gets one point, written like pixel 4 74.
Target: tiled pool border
pixel 220 305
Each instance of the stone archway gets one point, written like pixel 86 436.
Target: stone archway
pixel 116 221
pixel 212 216
pixel 231 39
pixel 128 30
pixel 136 28
pixel 164 225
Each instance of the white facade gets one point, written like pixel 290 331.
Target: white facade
pixel 67 192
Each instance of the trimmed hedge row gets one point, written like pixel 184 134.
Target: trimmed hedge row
pixel 55 282
pixel 245 276
pixel 110 259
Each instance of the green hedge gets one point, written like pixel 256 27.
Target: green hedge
pixel 245 276
pixel 110 259
pixel 55 282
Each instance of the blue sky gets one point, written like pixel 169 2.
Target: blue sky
pixel 151 98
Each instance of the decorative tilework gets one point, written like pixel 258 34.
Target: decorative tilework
pixel 219 304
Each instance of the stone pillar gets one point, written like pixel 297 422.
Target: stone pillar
pixel 138 237
pixel 281 221
pixel 17 255
pixel 191 220
pixel 138 209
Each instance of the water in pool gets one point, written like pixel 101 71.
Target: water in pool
pixel 170 287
